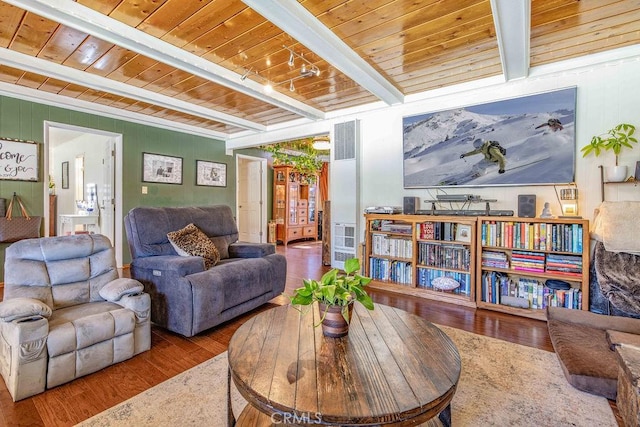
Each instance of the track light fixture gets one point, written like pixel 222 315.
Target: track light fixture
pixel 246 73
pixel 307 69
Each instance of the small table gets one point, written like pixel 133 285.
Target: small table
pixel 77 219
pixel 393 368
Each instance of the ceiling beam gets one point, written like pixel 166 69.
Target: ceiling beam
pixel 59 101
pixel 32 64
pixel 292 18
pixel 512 19
pixel 82 18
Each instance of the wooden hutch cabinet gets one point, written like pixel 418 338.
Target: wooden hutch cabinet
pixel 295 207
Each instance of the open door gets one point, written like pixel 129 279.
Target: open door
pixel 251 196
pixel 106 200
pixel 102 153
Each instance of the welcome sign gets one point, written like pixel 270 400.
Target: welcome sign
pixel 18 160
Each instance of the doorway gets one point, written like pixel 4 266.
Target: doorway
pixel 251 196
pixel 84 164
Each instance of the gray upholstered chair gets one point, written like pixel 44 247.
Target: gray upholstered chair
pixel 187 297
pixel 66 313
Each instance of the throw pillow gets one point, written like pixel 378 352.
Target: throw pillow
pixel 191 241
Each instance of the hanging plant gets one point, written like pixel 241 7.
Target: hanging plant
pixel 298 154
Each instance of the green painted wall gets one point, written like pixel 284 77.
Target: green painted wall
pixel 25 120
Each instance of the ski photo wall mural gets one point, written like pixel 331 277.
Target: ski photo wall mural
pixel 528 140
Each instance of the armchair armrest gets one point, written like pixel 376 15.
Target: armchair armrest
pixel 625 339
pixel 180 265
pixel 594 320
pixel 140 304
pixel 116 289
pixel 251 250
pixel 128 293
pixel 23 309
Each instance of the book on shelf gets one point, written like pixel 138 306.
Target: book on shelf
pixel 496 285
pixel 447 231
pixel 494 259
pixel 427 275
pixel 382 244
pixel 558 237
pixel 386 270
pixel 456 257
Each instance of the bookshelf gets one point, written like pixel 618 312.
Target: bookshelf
pixel 422 255
pixel 517 256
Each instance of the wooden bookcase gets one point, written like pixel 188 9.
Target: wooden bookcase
pixel 295 209
pixel 402 255
pixel 516 256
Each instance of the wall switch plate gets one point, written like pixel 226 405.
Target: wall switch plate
pixel 144 189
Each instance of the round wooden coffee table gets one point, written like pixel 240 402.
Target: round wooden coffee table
pixel 393 368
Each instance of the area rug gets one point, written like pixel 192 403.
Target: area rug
pixel 502 384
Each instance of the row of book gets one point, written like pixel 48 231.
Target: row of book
pixel 535 262
pixel 386 270
pixel 382 244
pixel 447 231
pixel 457 257
pixel 528 261
pixel 536 236
pixel 564 264
pixel 499 288
pixel 495 259
pixel 426 276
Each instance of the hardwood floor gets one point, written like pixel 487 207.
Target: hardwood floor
pixel 172 354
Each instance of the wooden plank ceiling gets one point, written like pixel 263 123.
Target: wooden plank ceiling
pixel 414 45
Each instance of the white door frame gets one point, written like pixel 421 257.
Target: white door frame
pixel 117 137
pixel 263 192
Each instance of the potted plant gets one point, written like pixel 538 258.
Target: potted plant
pixel 335 293
pixel 615 139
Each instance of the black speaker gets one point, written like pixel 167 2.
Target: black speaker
pixel 527 205
pixel 410 205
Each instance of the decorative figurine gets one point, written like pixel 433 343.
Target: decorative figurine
pixel 546 211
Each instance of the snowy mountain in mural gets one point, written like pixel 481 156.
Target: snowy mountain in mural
pixel 538 150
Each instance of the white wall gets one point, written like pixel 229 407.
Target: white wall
pixel 607 94
pixel 93 169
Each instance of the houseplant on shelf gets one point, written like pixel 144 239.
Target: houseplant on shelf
pixel 614 139
pixel 335 292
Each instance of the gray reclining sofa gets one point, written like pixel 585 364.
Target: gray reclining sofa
pixel 186 297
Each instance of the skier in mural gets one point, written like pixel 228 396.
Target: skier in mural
pixel 492 151
pixel 554 125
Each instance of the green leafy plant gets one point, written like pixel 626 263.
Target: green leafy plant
pixel 336 289
pixel 299 153
pixel 615 139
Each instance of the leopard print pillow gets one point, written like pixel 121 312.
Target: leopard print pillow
pixel 191 241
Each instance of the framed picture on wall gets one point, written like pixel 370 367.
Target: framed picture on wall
pixel 528 140
pixel 65 175
pixel 161 168
pixel 19 160
pixel 211 174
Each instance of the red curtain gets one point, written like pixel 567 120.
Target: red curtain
pixel 323 185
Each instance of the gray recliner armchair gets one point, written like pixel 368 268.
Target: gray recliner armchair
pixel 66 313
pixel 187 297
